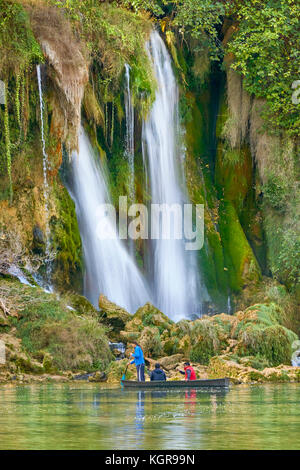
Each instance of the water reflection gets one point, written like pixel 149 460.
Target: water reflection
pixel 88 416
pixel 140 412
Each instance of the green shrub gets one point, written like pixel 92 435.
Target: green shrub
pixel 207 339
pixel 150 341
pixel 276 192
pixel 202 351
pixel 273 343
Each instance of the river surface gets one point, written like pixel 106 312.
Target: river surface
pixel 89 416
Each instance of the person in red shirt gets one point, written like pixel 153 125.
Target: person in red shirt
pixel 188 372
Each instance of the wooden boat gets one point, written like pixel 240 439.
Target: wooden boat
pixel 203 383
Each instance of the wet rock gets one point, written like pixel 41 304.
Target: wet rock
pixel 38 242
pixel 98 377
pixel 80 304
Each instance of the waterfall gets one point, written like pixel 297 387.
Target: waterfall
pixel 109 269
pixel 129 117
pixel 46 185
pixel 175 278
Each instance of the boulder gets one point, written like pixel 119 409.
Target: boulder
pixel 224 366
pixel 135 324
pixel 80 304
pixel 113 316
pixel 151 316
pixel 170 362
pixel 98 377
pixel 128 336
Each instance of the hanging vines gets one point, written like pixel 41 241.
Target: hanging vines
pixel 7 142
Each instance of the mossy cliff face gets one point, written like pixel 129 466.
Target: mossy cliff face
pixel 219 169
pixel 74 53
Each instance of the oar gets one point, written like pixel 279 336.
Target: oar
pixel 124 375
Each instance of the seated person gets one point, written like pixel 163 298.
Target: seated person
pixel 188 372
pixel 158 373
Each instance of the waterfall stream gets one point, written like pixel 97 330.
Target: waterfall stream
pixel 129 118
pixel 175 278
pixel 109 268
pixel 48 286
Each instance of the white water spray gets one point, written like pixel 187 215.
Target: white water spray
pixel 176 280
pixel 46 185
pixel 129 117
pixel 109 268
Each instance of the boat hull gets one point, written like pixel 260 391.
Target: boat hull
pixel 204 383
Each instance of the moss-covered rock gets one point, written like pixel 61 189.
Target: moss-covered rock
pixel 240 261
pixel 170 345
pixel 150 341
pixel 260 333
pixel 113 316
pixel 184 346
pixel 116 370
pixel 151 316
pixel 170 362
pixel 207 340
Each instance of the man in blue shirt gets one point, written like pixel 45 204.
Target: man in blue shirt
pixel 138 361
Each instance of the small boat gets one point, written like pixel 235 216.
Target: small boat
pixel 203 383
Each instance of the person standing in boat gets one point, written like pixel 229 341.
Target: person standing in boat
pixel 138 360
pixel 188 372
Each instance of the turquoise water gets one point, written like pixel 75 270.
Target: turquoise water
pixel 86 416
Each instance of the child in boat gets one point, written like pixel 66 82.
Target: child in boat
pixel 138 360
pixel 188 372
pixel 157 373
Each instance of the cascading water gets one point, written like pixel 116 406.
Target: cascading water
pixel 129 118
pixel 109 268
pixel 46 185
pixel 175 277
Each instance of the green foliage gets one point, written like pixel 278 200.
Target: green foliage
pixel 286 265
pixel 114 36
pixel 266 51
pixel 260 333
pixel 273 343
pixel 276 191
pixel 66 237
pixel 171 346
pixel 201 19
pixel 265 45
pixel 152 6
pixel 207 340
pixel 46 325
pixel 150 341
pixel 17 43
